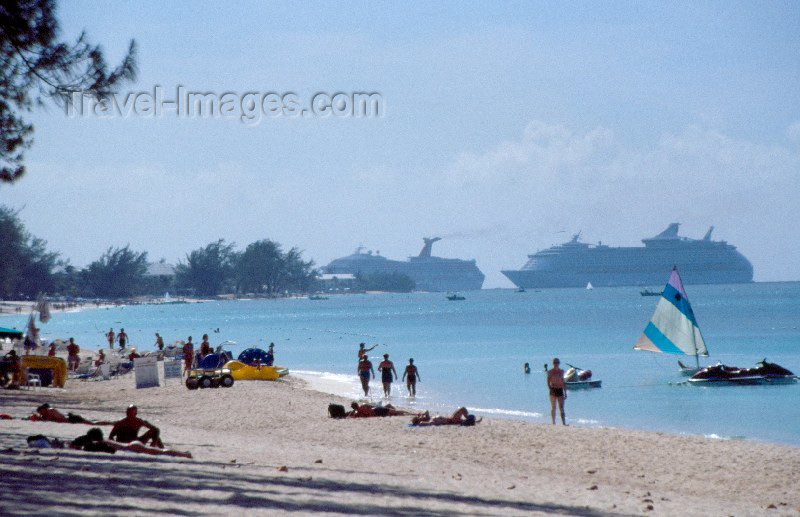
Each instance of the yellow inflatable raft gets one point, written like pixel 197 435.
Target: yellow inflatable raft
pixel 244 372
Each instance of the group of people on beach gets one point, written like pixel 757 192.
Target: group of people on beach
pixel 125 433
pixel 388 373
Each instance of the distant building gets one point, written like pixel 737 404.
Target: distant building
pixel 159 278
pixel 160 268
pixel 337 281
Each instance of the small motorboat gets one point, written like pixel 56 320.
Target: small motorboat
pixel 649 292
pixel 578 378
pixel 763 373
pixel 317 297
pixel 455 297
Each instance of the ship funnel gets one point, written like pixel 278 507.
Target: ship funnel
pixel 426 250
pixel 708 234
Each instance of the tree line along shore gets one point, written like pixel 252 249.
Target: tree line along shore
pixel 263 268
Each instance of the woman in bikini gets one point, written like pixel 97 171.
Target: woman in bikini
pixel 364 369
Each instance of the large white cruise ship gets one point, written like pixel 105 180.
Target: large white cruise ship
pixel 429 273
pixel 575 263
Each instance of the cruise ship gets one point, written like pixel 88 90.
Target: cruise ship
pixel 576 264
pixel 429 273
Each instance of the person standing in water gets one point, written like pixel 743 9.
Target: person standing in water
pixel 122 338
pixel 411 376
pixel 159 342
pixel 362 350
pixel 110 337
pixel 388 374
pixel 364 369
pixel 557 387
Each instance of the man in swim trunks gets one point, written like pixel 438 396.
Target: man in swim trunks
pixel 159 342
pixel 205 346
pixel 188 355
pixel 362 350
pixel 557 387
pixel 73 357
pixel 127 430
pixel 411 376
pixel 388 374
pixel 122 337
pixel 363 370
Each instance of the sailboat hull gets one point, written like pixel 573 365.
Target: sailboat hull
pixel 583 385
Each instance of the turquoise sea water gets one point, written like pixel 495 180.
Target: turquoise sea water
pixel 471 352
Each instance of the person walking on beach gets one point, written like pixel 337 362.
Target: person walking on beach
pixel 159 342
pixel 364 369
pixel 205 346
pixel 188 355
pixel 73 357
pixel 557 387
pixel 110 338
pixel 388 374
pixel 362 350
pixel 411 376
pixel 122 337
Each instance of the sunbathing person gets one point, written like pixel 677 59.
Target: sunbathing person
pixel 127 430
pixel 460 417
pixel 367 410
pixel 93 441
pixel 45 413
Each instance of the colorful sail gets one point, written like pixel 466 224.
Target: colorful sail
pixel 673 328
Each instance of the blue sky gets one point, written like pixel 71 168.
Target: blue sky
pixel 504 124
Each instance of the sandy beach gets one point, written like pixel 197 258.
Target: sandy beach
pixel 269 447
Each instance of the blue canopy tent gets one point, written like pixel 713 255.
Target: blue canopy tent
pixel 11 333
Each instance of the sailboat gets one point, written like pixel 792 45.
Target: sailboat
pixel 673 327
pixel 589 286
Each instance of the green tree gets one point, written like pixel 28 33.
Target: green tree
pixel 264 268
pixel 118 273
pixel 300 275
pixel 35 65
pixel 25 264
pixel 207 270
pixel 260 268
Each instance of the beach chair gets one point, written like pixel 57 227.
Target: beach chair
pixel 32 379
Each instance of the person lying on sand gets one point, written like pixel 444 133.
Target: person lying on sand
pixel 45 413
pixel 367 410
pixel 460 417
pixel 93 441
pixel 127 430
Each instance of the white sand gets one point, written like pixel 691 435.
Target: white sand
pixel 240 437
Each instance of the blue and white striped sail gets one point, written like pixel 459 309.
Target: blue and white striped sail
pixel 673 328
